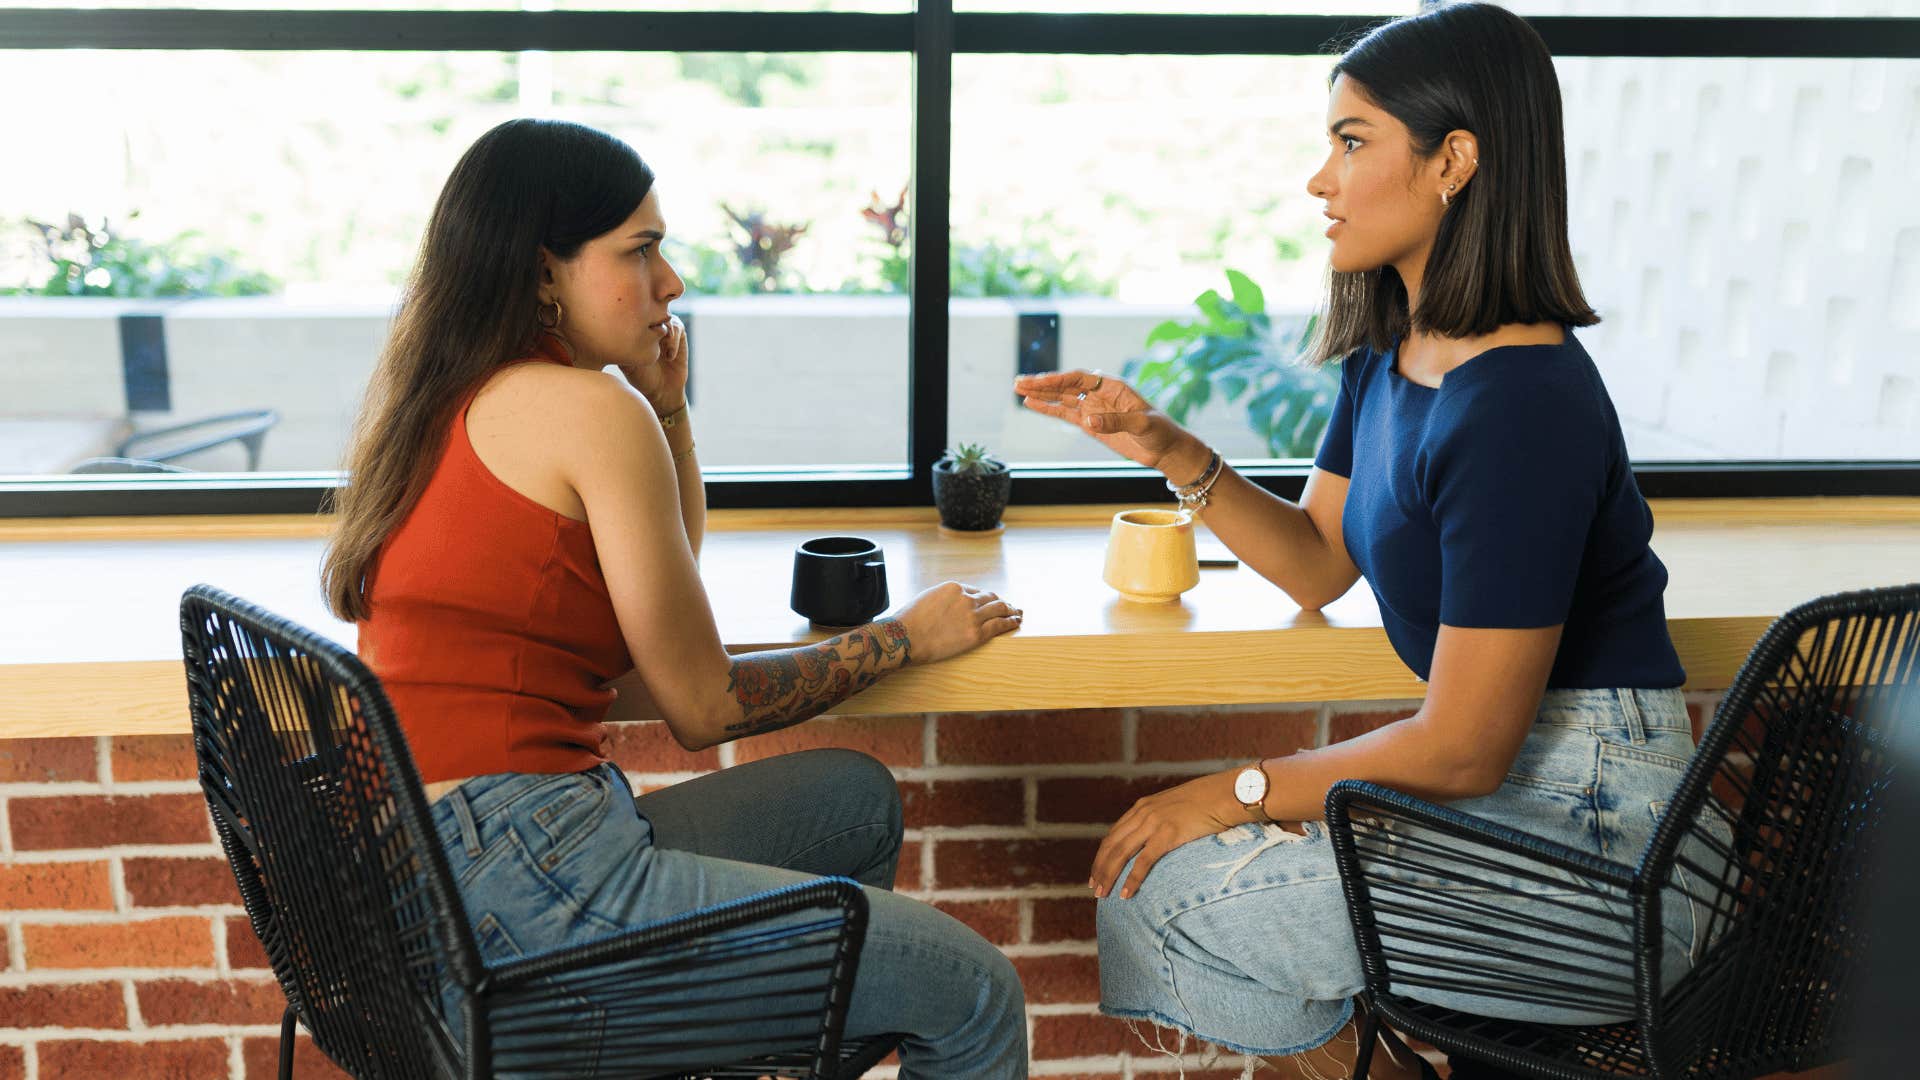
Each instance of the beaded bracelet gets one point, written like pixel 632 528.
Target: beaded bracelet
pixel 1193 497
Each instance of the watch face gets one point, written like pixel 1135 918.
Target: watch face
pixel 1250 786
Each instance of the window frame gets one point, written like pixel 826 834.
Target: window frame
pixel 932 34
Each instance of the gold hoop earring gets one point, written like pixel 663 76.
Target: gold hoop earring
pixel 540 315
pixel 1444 195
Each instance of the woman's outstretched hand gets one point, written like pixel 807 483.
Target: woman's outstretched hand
pixel 1115 413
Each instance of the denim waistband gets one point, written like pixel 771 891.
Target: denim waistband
pixel 1624 712
pixel 458 811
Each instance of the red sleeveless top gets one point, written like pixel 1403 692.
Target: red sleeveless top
pixel 491 627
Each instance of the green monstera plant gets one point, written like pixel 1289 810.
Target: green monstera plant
pixel 1233 350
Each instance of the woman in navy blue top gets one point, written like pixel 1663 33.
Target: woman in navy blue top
pixel 1474 473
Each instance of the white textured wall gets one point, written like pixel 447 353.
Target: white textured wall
pixel 1750 231
pixel 1749 8
pixel 62 360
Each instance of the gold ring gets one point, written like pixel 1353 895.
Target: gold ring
pixel 1097 380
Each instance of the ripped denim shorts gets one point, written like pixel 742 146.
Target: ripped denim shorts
pixel 1242 940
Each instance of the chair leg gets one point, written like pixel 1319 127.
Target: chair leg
pixel 286 1045
pixel 1369 1035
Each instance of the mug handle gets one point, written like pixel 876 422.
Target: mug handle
pixel 876 597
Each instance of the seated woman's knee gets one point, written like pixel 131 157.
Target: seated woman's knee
pixel 859 778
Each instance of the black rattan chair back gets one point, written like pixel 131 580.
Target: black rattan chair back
pixel 1773 832
pixel 316 802
pixel 1510 949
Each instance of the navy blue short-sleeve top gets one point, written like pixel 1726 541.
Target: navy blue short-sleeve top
pixel 1502 498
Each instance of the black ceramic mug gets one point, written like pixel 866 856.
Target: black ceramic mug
pixel 839 580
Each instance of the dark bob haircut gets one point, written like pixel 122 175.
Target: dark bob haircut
pixel 1501 253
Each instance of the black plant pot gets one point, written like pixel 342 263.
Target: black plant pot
pixel 971 501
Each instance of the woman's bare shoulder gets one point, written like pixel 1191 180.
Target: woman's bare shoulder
pixel 558 403
pixel 535 426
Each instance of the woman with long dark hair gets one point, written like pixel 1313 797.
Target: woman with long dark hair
pixel 1475 474
pixel 522 526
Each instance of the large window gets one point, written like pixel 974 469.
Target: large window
pixel 1143 181
pixel 249 267
pixel 206 243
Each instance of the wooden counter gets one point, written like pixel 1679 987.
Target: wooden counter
pixel 89 641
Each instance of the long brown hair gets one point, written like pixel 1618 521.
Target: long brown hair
pixel 468 308
pixel 1501 254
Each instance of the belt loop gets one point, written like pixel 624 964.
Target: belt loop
pixel 463 813
pixel 1630 714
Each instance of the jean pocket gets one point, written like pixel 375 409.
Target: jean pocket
pixel 1544 783
pixel 1678 910
pixel 1632 778
pixel 567 816
pixel 1553 759
pixel 1702 846
pixel 1647 756
pixel 576 1055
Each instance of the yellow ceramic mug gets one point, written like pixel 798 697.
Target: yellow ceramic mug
pixel 1150 557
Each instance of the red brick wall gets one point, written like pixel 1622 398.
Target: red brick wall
pixel 124 950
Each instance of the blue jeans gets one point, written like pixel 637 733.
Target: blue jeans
pixel 546 861
pixel 1242 939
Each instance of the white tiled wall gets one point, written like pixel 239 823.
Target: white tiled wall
pixel 1750 231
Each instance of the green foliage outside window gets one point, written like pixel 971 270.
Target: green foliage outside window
pixel 989 269
pixel 86 259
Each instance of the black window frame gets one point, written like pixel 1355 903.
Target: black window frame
pixel 932 34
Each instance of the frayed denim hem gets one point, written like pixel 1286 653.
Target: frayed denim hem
pixel 1346 1014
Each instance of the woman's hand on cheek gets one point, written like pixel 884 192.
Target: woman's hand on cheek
pixel 673 363
pixel 662 378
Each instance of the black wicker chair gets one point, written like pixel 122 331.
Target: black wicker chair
pixel 316 802
pixel 1772 833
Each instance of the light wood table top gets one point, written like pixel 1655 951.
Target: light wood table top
pixel 89 639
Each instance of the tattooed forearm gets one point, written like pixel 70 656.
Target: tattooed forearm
pixel 781 688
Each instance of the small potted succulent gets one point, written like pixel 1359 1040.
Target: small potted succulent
pixel 971 487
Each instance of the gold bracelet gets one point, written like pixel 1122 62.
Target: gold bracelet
pixel 684 454
pixel 671 420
